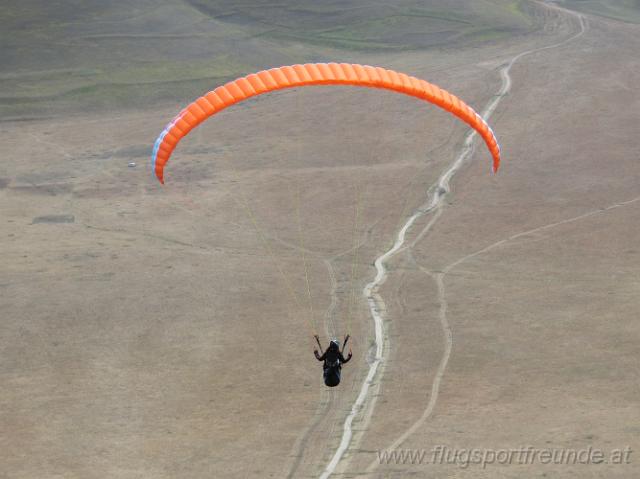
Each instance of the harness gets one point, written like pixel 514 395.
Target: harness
pixel 332 364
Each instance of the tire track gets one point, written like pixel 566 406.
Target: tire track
pixel 330 330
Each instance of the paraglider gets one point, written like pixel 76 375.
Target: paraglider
pixel 333 359
pixel 306 75
pixel 309 74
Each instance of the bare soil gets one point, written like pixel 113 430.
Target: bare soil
pixel 147 331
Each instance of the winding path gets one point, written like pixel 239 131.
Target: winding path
pixel 434 204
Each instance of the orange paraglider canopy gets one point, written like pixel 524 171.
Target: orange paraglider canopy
pixel 313 74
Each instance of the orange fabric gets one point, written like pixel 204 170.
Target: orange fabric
pixel 313 74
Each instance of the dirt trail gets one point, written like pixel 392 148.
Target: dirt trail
pixel 377 307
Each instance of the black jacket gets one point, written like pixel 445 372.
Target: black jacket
pixel 331 356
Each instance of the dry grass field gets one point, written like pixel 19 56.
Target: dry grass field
pixel 153 331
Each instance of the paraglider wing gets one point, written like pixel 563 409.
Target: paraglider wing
pixel 313 74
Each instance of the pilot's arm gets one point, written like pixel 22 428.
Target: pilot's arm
pixel 344 360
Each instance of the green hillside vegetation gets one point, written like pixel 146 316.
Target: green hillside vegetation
pixel 84 55
pixel 624 10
